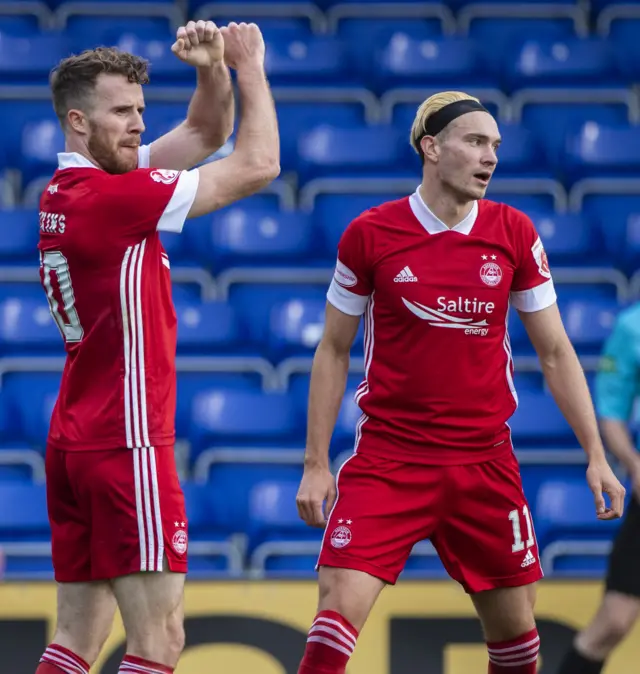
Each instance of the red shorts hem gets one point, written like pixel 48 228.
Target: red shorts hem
pixel 174 566
pixel 519 580
pixel 357 565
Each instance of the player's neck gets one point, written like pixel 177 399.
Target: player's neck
pixel 444 206
pixel 81 149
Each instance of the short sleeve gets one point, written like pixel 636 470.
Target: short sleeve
pixel 148 200
pixel 615 384
pixel 351 285
pixel 532 288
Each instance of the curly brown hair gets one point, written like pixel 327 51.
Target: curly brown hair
pixel 74 78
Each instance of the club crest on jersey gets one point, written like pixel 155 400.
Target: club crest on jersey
pixel 341 537
pixel 491 274
pixel 166 176
pixel 540 256
pixel 179 541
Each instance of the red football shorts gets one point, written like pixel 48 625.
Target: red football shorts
pixel 115 512
pixel 476 516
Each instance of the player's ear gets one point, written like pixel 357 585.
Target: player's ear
pixel 430 148
pixel 77 120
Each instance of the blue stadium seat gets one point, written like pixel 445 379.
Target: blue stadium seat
pixel 598 150
pixel 329 150
pixel 23 513
pixel 254 303
pixel 240 236
pixel 588 323
pixel 613 212
pixel 506 33
pixel 175 246
pixel 298 117
pixel 570 62
pixel 26 326
pixel 29 401
pixel 235 418
pixel 569 238
pixel 333 212
pixel 539 424
pixel 190 384
pixel 16 114
pixel 41 142
pixel 273 511
pixel 551 122
pixel 565 509
pixel 299 59
pixel 19 25
pixel 296 327
pixel 624 36
pixel 523 202
pixel 345 430
pixel 207 328
pixel 520 153
pixel 19 238
pixel 28 61
pixel 166 68
pixel 405 61
pixel 86 32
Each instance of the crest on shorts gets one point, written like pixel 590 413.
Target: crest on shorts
pixel 341 537
pixel 166 176
pixel 491 273
pixel 179 541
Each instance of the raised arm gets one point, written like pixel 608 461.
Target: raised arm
pixel 255 161
pixel 209 121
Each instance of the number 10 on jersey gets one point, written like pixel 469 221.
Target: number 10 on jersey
pixel 518 543
pixel 54 262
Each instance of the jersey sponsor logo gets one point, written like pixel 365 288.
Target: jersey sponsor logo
pixel 166 176
pixel 344 276
pixel 179 541
pixel 540 256
pixel 341 537
pixel 491 274
pixel 405 276
pixel 442 318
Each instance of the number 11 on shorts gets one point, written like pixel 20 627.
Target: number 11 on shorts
pixel 518 543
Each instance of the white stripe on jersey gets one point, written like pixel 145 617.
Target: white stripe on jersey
pixel 127 352
pixel 135 365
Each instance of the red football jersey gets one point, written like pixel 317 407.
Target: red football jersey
pixel 107 280
pixel 438 385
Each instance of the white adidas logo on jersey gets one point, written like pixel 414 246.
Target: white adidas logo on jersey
pixel 406 276
pixel 529 559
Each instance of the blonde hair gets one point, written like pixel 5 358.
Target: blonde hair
pixel 430 107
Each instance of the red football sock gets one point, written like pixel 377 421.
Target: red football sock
pixel 58 659
pixel 519 656
pixel 134 665
pixel 330 644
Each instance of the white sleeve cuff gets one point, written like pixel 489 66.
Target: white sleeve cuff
pixel 534 299
pixel 346 301
pixel 177 209
pixel 144 156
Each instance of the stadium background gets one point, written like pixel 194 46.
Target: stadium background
pixel 562 79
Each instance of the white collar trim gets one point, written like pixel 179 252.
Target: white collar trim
pixel 74 160
pixel 433 224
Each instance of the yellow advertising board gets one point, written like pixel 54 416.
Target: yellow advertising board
pixel 260 628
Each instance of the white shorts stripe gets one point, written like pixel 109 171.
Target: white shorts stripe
pixel 156 509
pixel 146 492
pixel 331 644
pixel 139 508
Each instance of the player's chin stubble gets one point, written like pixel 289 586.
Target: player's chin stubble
pixel 106 156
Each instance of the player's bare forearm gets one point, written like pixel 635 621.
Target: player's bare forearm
pixel 619 442
pixel 258 139
pixel 568 385
pixel 211 110
pixel 328 384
